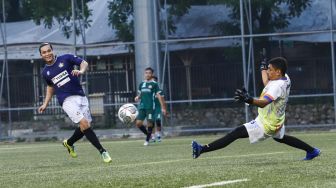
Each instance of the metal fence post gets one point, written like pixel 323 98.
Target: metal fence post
pixel 242 31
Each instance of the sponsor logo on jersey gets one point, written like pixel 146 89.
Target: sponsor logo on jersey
pixel 60 77
pixel 61 83
pixel 48 73
pixel 145 90
pixel 150 86
pixel 61 65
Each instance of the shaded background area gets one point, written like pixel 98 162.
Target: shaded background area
pixel 205 50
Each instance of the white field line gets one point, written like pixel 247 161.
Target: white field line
pixel 142 164
pixel 218 183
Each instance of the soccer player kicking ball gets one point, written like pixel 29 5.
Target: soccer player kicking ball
pixel 62 79
pixel 148 89
pixel 271 113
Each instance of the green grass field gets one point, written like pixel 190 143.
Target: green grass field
pixel 169 164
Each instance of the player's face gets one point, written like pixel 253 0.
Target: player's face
pixel 148 75
pixel 273 73
pixel 47 54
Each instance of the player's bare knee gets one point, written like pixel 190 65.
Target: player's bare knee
pixel 138 123
pixel 150 124
pixel 84 124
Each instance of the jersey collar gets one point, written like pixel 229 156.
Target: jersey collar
pixel 53 62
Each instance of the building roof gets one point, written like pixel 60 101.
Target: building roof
pixel 23 37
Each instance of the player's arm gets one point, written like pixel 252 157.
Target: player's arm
pixel 138 97
pixel 243 96
pixel 82 69
pixel 49 94
pixel 261 103
pixel 264 76
pixel 162 103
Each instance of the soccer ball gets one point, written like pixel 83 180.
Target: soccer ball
pixel 127 113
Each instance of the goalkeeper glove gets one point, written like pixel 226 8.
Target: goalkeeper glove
pixel 241 95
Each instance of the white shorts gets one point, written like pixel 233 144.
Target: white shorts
pixel 256 131
pixel 77 108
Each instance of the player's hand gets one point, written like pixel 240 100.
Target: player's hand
pixel 42 108
pixel 164 111
pixel 241 95
pixel 263 63
pixel 77 72
pixel 136 99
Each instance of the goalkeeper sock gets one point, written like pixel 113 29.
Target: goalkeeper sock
pixel 77 135
pixel 239 132
pixel 295 142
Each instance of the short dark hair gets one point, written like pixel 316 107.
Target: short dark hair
pixel 45 44
pixel 279 63
pixel 149 69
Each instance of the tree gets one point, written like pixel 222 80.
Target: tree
pixel 267 16
pixel 121 15
pixel 14 11
pixel 49 12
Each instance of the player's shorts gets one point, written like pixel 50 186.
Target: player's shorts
pixel 145 114
pixel 157 114
pixel 77 108
pixel 256 131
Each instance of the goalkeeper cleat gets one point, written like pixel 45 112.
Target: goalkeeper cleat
pixel 106 157
pixel 158 138
pixel 196 149
pixel 311 155
pixel 71 149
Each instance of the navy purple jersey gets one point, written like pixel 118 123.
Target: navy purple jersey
pixel 58 75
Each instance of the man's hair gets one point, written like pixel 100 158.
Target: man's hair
pixel 155 78
pixel 149 69
pixel 279 63
pixel 45 44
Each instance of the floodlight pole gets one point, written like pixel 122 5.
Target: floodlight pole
pixel 242 31
pixel 144 35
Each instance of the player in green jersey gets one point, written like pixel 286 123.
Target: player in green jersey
pixel 157 116
pixel 148 90
pixel 271 113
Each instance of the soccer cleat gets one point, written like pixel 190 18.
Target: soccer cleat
pixel 146 143
pixel 196 149
pixel 312 155
pixel 71 149
pixel 106 157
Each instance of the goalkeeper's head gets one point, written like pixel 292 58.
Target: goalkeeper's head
pixel 277 68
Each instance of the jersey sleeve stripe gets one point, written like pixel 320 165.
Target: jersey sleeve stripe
pixel 268 98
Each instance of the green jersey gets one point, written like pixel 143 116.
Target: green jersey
pixel 157 103
pixel 147 92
